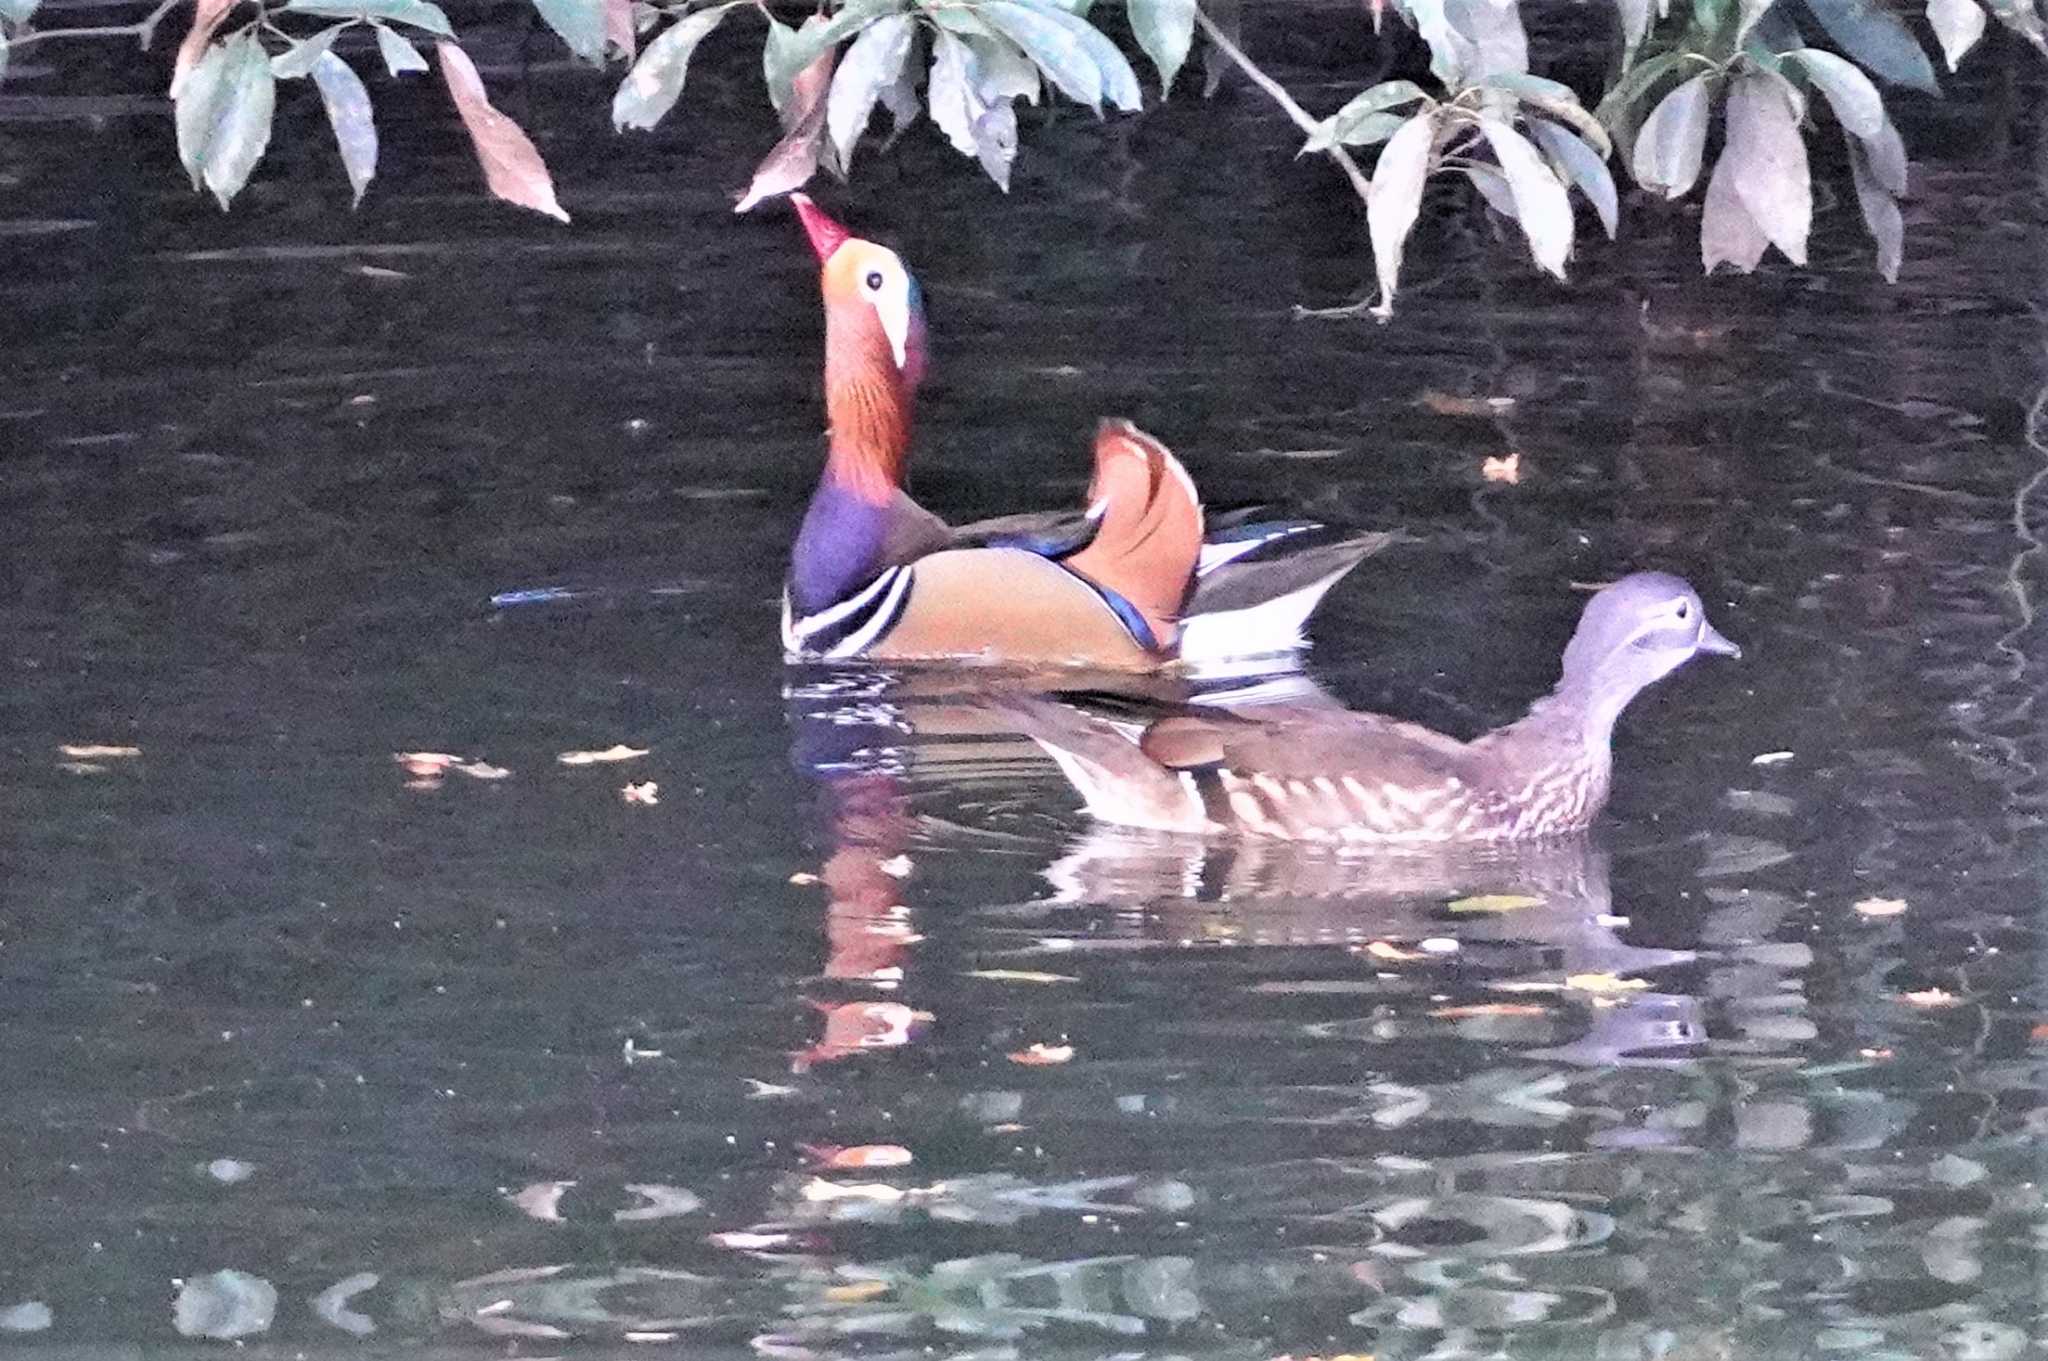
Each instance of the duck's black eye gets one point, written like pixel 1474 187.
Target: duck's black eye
pixel 1684 610
pixel 874 281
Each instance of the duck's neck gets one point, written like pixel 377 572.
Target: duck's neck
pixel 843 542
pixel 1580 713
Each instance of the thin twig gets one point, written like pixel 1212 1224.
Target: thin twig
pixel 144 29
pixel 1286 102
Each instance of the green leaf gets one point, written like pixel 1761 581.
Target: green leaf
pixel 239 129
pixel 418 13
pixel 1366 111
pixel 777 72
pixel 1541 204
pixel 1635 25
pixel 1877 40
pixel 1769 159
pixel 1957 25
pixel 399 55
pixel 1493 187
pixel 1006 73
pixel 1673 138
pixel 816 35
pixel 348 113
pixel 1166 30
pixel 18 12
pixel 200 97
pixel 1584 167
pixel 874 62
pixel 1370 130
pixel 579 23
pixel 1396 200
pixel 1638 80
pixel 1075 56
pixel 2022 18
pixel 655 83
pixel 1887 158
pixel 1880 214
pixel 297 60
pixel 1728 235
pixel 1856 102
pixel 977 121
pixel 1553 100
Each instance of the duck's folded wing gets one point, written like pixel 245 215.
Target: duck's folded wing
pixel 1257 586
pixel 1151 527
pixel 913 532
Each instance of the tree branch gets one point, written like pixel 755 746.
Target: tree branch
pixel 1272 87
pixel 144 28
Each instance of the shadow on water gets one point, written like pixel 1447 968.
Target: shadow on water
pixel 850 1037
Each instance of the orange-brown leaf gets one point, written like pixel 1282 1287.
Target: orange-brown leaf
pixel 795 158
pixel 618 27
pixel 512 167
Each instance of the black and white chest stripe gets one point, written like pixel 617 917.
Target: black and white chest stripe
pixel 853 625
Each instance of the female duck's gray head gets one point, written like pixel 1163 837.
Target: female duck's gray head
pixel 1632 635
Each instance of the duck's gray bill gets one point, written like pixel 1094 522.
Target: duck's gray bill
pixel 1712 640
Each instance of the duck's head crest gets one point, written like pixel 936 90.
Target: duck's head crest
pixel 1637 631
pixel 866 286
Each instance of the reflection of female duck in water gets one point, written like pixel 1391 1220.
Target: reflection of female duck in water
pixel 1538 914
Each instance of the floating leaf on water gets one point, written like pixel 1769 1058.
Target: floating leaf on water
pixel 1879 907
pixel 1877 40
pixel 1450 404
pixel 1021 976
pixel 482 770
pixel 1771 758
pixel 1507 469
pixel 655 83
pixel 646 793
pixel 663 1202
pixel 97 751
pixel 818 1191
pixel 230 1170
pixel 1604 983
pixel 1495 902
pixel 874 62
pixel 1672 140
pixel 856 1292
pixel 1165 29
pixel 348 112
pixel 1932 998
pixel 30 1316
pixel 540 1200
pixel 1453 1013
pixel 400 56
pixel 512 167
pixel 1380 949
pixel 1396 201
pixel 418 13
pixel 1043 1055
pixel 582 24
pixel 227 1304
pixel 740 1240
pixel 840 1158
pixel 616 752
pixel 331 1304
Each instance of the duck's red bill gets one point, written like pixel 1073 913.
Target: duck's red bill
pixel 826 235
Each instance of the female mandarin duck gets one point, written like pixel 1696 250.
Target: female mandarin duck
pixel 1133 584
pixel 1322 774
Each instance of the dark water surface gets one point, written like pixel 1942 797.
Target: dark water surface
pixel 513 1065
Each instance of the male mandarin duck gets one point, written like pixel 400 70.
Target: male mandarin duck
pixel 1135 583
pixel 1318 774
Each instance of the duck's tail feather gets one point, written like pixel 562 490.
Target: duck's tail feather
pixel 1255 591
pixel 1116 781
pixel 1149 537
